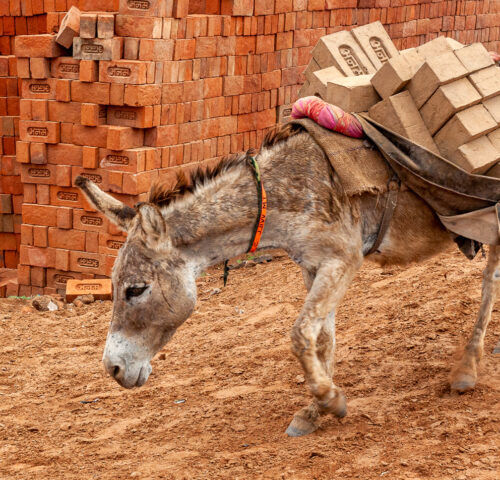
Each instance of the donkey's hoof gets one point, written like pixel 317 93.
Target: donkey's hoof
pixel 336 405
pixel 463 383
pixel 300 426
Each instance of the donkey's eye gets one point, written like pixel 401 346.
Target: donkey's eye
pixel 134 292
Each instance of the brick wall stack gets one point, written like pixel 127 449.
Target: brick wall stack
pixel 186 82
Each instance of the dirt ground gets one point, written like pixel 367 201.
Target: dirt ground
pixel 224 390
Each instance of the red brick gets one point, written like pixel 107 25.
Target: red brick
pixel 40 236
pixel 138 27
pixel 38 153
pixel 265 44
pixel 41 89
pixel 37 46
pixel 89 71
pixel 93 114
pixel 120 138
pixel 254 121
pixel 63 90
pixel 156 50
pixel 91 136
pixel 93 221
pixel 37 257
pixel 90 92
pixel 35 131
pixel 121 71
pixel 101 289
pixel 142 95
pixel 39 68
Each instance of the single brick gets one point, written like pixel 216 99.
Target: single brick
pixel 89 71
pixel 493 107
pixel 90 157
pixel 156 50
pixel 321 78
pixel 100 288
pixel 23 68
pixel 121 138
pixel 400 114
pixel 39 110
pixel 342 51
pixel 352 94
pixel 432 74
pixel 38 153
pixel 437 47
pixel 70 28
pixel 35 131
pixel 487 81
pixel 149 8
pixel 138 27
pixel 90 92
pixel 476 156
pixel 64 218
pixel 311 68
pixel 23 152
pixel 93 114
pixel 88 25
pixel 142 95
pixel 137 117
pixel 474 57
pixel 375 42
pixel 65 67
pixel 131 48
pixel 394 75
pixel 105 25
pixel 494 138
pixel 43 89
pixel 464 127
pixel 37 46
pixel 124 71
pixel 97 48
pixel 446 101
pixel 40 67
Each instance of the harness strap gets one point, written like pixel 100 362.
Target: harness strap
pixel 261 218
pixel 390 205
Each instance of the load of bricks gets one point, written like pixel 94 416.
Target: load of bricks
pixel 442 95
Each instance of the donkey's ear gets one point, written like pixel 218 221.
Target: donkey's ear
pixel 119 213
pixel 153 225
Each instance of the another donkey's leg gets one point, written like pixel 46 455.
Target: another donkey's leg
pixel 464 376
pixel 313 342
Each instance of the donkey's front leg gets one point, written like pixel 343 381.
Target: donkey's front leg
pixel 464 376
pixel 313 341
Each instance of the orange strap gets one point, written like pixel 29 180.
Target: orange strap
pixel 262 220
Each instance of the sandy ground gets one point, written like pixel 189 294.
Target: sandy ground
pixel 398 332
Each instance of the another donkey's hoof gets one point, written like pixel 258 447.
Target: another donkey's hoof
pixel 463 383
pixel 336 405
pixel 300 426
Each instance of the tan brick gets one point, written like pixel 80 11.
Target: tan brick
pixel 138 27
pixel 88 25
pixel 97 48
pixel 494 138
pixel 285 113
pixel 305 90
pixel 476 156
pixel 123 71
pixel 393 76
pixel 100 288
pixel 446 101
pixel 342 51
pixel 311 68
pixel 493 106
pixel 352 94
pixel 375 42
pixel 432 74
pixel 137 117
pixel 43 132
pixel 400 114
pixel 487 81
pixel 320 79
pixel 105 25
pixel 474 57
pixel 464 127
pixel 437 47
pixel 70 28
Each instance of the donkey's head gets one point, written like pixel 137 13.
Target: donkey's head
pixel 154 288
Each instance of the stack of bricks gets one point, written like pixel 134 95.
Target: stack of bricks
pixel 222 69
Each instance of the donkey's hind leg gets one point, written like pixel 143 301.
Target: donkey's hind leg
pixel 464 375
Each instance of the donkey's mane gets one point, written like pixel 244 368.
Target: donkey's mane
pixel 162 193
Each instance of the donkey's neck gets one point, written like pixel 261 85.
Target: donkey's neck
pixel 216 222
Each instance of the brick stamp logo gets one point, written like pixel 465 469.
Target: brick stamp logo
pixel 378 48
pixel 352 61
pixel 93 221
pixel 117 160
pixel 93 177
pixel 88 262
pixel 115 71
pixel 138 4
pixel 39 172
pixel 38 131
pixel 114 244
pixel 69 68
pixel 40 88
pixel 91 48
pixel 62 279
pixel 125 114
pixel 68 196
pixel 88 286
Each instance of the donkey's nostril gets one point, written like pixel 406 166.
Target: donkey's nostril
pixel 116 371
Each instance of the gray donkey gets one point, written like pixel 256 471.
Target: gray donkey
pixel 201 222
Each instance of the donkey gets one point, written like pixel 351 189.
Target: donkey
pixel 210 217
